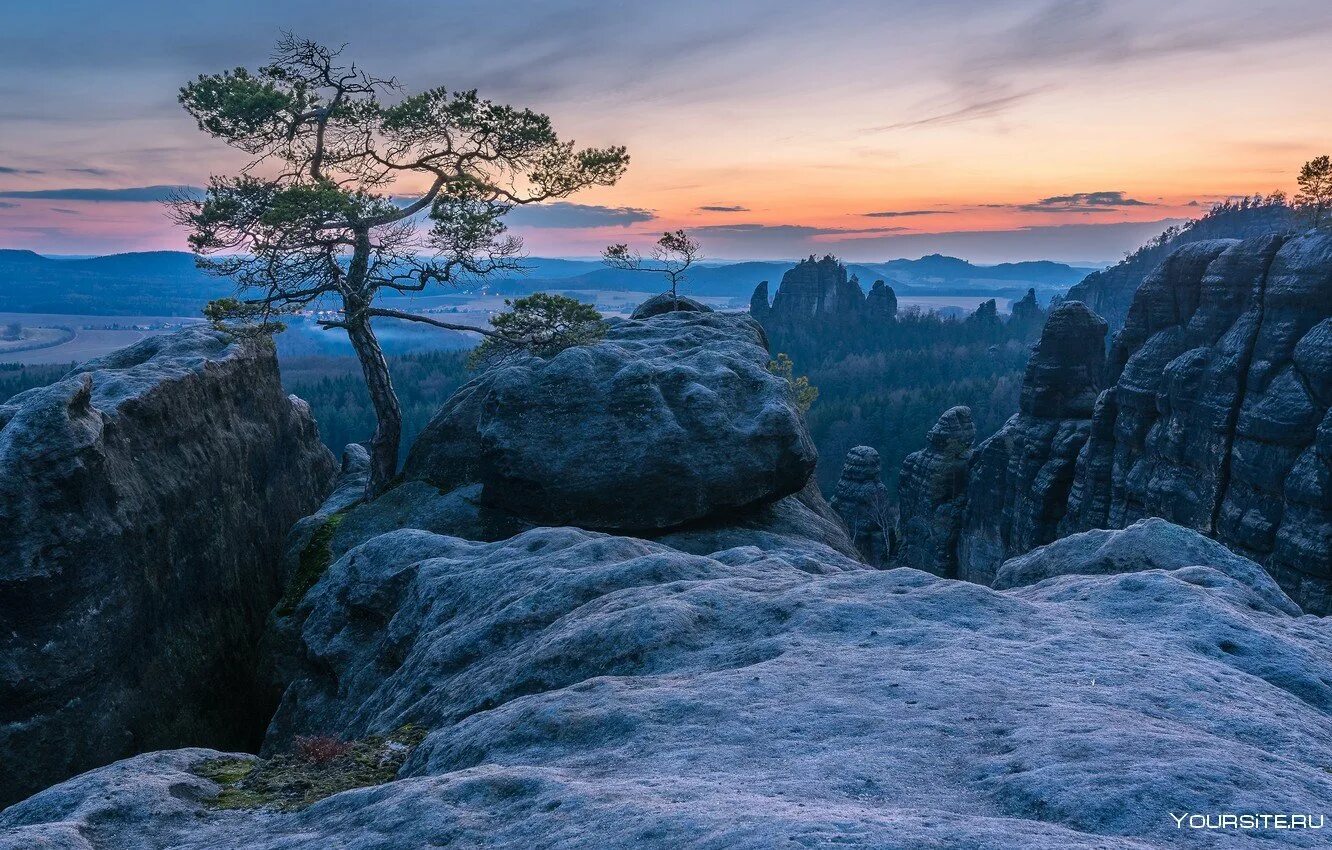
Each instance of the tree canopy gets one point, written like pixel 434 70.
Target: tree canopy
pixel 355 187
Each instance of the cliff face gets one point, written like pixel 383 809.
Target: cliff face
pixel 143 505
pixel 1218 419
pixel 1215 417
pixel 816 294
pixel 1019 478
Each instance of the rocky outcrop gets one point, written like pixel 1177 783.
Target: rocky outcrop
pixel 1110 292
pixel 881 302
pixel 143 504
pixel 667 303
pixel 1019 479
pixel 1027 310
pixel 758 302
pixel 580 690
pixel 1215 416
pixel 816 295
pixel 931 494
pixel 865 506
pixel 1218 417
pixel 668 421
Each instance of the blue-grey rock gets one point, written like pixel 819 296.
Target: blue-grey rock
pixel 144 500
pixel 669 420
pixel 593 691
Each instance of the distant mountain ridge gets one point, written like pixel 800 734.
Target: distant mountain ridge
pixel 167 283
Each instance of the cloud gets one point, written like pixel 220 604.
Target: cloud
pixel 722 208
pixel 966 109
pixel 7 169
pixel 1083 202
pixel 64 211
pixel 563 214
pixel 905 213
pixel 136 194
pixel 779 239
pixel 5 205
pixel 95 172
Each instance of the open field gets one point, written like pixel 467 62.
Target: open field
pixel 93 335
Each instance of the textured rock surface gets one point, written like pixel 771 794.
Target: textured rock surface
pixel 1027 309
pixel 143 504
pixel 666 303
pixel 931 495
pixel 865 507
pixel 592 691
pixel 667 421
pixel 1019 478
pixel 1217 419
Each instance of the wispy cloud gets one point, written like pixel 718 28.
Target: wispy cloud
pixel 905 213
pixel 966 109
pixel 563 214
pixel 134 194
pixel 9 169
pixel 723 208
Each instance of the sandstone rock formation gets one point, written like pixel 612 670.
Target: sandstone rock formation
pixel 931 493
pixel 590 691
pixel 1218 418
pixel 1215 417
pixel 667 421
pixel 143 504
pixel 1027 309
pixel 816 294
pixel 1110 292
pixel 1019 478
pixel 881 302
pixel 667 303
pixel 865 506
pixel 758 302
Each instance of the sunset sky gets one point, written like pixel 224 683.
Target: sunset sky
pixel 988 130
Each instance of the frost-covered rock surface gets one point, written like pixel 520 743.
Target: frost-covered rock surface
pixel 144 500
pixel 591 691
pixel 670 420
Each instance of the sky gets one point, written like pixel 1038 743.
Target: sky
pixel 993 131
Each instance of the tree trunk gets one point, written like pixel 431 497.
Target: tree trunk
pixel 388 414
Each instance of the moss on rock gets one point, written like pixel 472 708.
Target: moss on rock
pixel 314 560
pixel 290 782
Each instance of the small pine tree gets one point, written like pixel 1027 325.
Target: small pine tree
pixel 801 390
pixel 540 324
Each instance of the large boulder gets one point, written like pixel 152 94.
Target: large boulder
pixel 665 302
pixel 580 690
pixel 669 420
pixel 144 500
